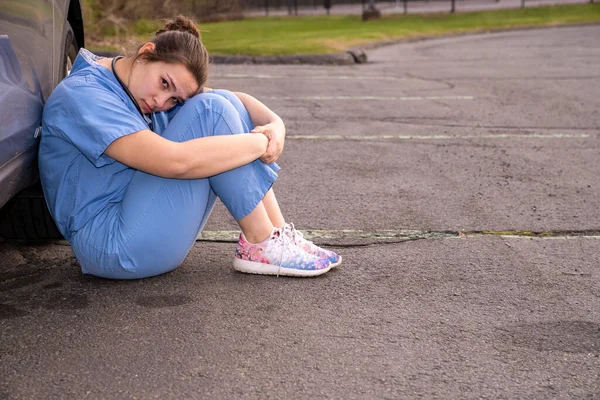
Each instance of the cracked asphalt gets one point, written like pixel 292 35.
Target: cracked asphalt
pixel 486 146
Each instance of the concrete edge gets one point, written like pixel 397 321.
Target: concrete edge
pixel 346 58
pixel 349 57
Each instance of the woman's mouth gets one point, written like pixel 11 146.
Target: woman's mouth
pixel 146 108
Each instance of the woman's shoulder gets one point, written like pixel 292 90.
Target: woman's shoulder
pixel 86 91
pixel 87 81
pixel 82 94
pixel 91 71
pixel 86 60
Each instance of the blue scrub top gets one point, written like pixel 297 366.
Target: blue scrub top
pixel 86 112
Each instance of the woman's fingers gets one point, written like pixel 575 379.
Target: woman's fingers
pixel 275 146
pixel 271 154
pixel 268 155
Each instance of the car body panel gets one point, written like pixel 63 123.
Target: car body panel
pixel 32 47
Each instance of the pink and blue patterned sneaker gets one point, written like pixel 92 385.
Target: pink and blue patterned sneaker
pixel 277 255
pixel 309 247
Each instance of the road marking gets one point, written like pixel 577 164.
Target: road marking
pixel 388 98
pixel 312 77
pixel 403 234
pixel 443 137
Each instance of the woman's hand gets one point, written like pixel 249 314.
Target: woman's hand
pixel 268 123
pixel 275 132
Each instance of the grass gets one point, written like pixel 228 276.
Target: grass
pixel 330 34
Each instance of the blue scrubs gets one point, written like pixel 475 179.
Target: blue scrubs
pixel 123 223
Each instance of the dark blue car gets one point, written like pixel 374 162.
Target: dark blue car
pixel 39 40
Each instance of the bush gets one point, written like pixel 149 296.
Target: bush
pixel 101 11
pixel 147 26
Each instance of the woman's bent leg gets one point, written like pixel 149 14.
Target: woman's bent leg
pixel 159 219
pixel 269 201
pixel 273 210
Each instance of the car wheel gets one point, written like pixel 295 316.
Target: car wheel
pixel 71 50
pixel 26 216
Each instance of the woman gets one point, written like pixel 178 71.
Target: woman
pixel 135 150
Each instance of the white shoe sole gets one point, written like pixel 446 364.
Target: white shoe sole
pixel 253 267
pixel 337 263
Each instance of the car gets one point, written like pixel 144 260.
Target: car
pixel 39 40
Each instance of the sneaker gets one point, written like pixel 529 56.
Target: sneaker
pixel 297 238
pixel 277 255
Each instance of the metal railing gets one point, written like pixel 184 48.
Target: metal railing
pixel 297 7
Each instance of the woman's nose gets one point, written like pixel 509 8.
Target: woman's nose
pixel 161 101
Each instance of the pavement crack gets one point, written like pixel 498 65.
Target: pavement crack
pixel 369 244
pixel 591 233
pixel 439 81
pixel 348 238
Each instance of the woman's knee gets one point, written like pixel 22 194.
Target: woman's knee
pixel 210 102
pixel 208 114
pixel 232 98
pixel 239 106
pixel 224 93
pixel 227 103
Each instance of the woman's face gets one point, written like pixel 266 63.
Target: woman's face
pixel 158 86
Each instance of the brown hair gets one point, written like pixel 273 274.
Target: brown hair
pixel 179 43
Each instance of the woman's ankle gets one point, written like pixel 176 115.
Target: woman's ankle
pixel 256 237
pixel 256 226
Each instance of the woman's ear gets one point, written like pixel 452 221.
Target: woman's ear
pixel 147 48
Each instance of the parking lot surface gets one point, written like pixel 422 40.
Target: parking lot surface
pixel 458 177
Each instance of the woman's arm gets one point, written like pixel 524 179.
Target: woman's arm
pixel 193 159
pixel 267 123
pixel 259 113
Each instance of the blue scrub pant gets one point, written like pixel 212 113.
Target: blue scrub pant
pixel 157 223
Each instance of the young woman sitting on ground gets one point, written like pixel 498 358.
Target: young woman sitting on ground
pixel 135 150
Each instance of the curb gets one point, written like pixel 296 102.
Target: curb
pixel 349 57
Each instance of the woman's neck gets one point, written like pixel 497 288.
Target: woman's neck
pixel 123 69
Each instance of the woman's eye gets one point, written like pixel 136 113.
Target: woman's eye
pixel 165 83
pixel 175 100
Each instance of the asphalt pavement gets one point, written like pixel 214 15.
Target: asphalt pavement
pixel 458 177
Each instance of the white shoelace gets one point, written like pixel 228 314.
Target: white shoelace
pixel 297 233
pixel 285 241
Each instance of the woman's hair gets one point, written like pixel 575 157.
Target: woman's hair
pixel 179 43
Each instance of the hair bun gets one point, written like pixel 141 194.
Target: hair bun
pixel 181 24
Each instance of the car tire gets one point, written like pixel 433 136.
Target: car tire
pixel 71 50
pixel 26 216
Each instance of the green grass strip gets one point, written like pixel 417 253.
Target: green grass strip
pixel 335 33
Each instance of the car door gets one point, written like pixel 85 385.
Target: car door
pixel 27 76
